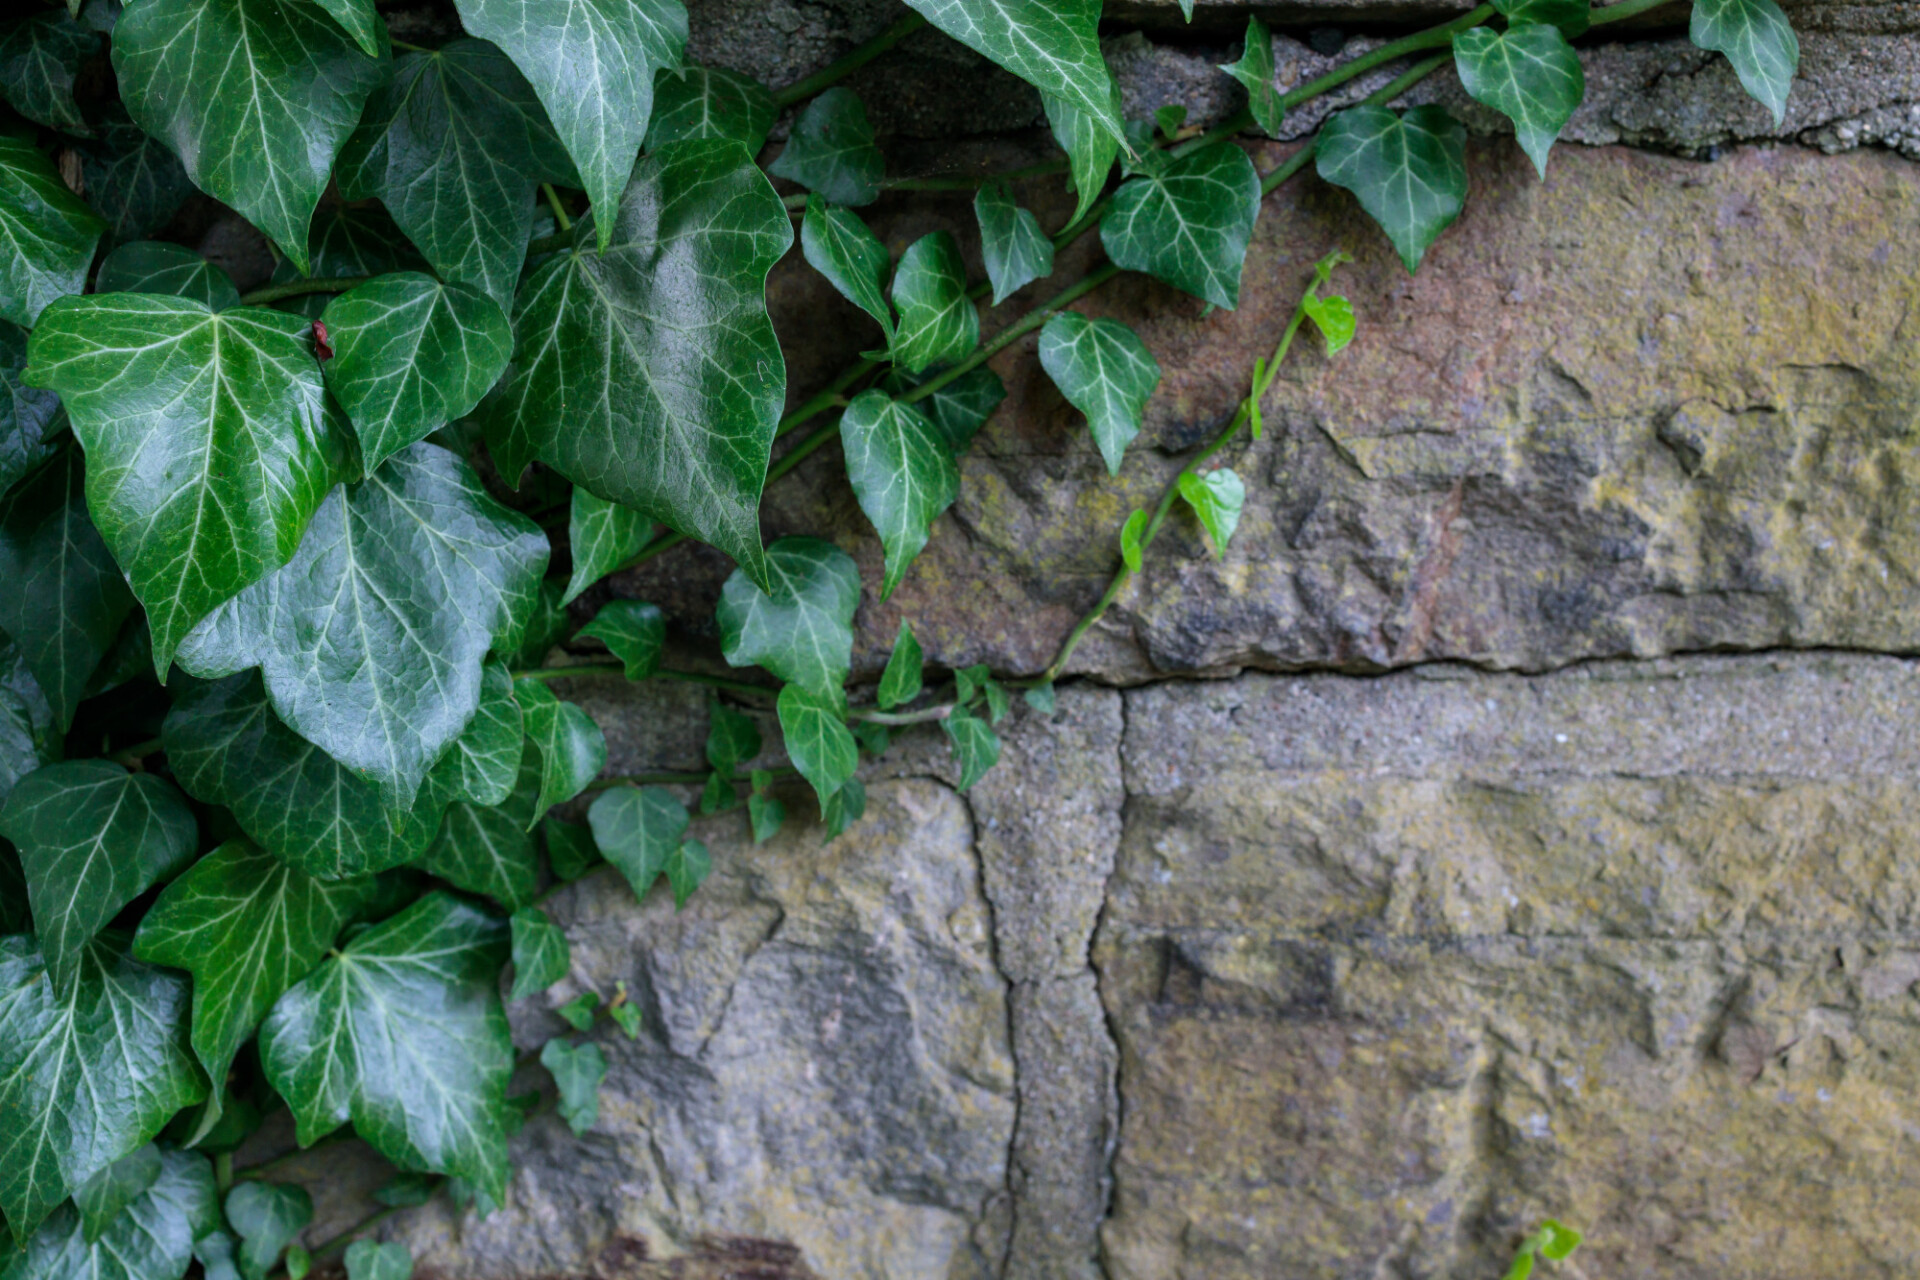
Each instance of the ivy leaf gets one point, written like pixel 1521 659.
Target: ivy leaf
pixel 28 415
pixel 633 632
pixel 88 1072
pixel 226 747
pixel 1409 171
pixel 961 407
pixel 247 927
pixel 709 102
pixel 488 849
pixel 268 1217
pixel 572 749
pixel 1040 698
pixel 902 472
pixel 732 738
pixel 570 848
pixel 1090 144
pixel 1333 316
pixel 578 1011
pixel 154 266
pixel 48 234
pixel 348 242
pixel 483 764
pixel 1106 372
pixel 152 1240
pixel 577 1072
pixel 371 640
pixel 402 1032
pixel 687 868
pixel 1255 70
pixel 1054 45
pixel 134 182
pixel 1017 251
pixel 900 683
pixel 802 629
pixel 831 151
pixel 1189 224
pixel 548 625
pixel 105 1196
pixel 638 829
pixel 1759 42
pixel 92 838
pixel 1573 17
pixel 718 795
pixel 1216 498
pixel 367 1260
pixel 65 599
pixel 40 59
pixel 592 64
pixel 818 740
pixel 765 814
pixel 453 145
pixel 1530 74
pixel 410 355
pixel 976 747
pixel 938 321
pixel 604 536
pixel 541 956
pixel 359 20
pixel 841 247
pixel 254 96
pixel 848 806
pixel 209 442
pixel 669 326
pixel 1132 535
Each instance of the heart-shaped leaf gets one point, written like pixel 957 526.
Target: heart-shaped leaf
pixel 1054 45
pixel 1409 171
pixel 900 682
pixel 572 750
pixel 709 102
pixel 938 321
pixel 152 1240
pixel 841 247
pixel 577 1073
pixel 1255 71
pixel 802 629
pixel 1188 224
pixel 1016 250
pixel 47 233
pixel 831 151
pixel 154 266
pixel 40 59
pixel 1091 146
pixel 1216 498
pixel 1759 42
pixel 976 747
pixel 902 472
pixel 488 849
pixel 638 829
pixel 603 536
pixel 632 631
pixel 1104 371
pixel 818 741
pixel 1528 73
pixel 541 956
pixel 686 870
pixel 268 1216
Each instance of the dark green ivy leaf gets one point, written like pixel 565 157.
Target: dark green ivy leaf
pixel 103 1197
pixel 570 848
pixel 831 151
pixel 900 682
pixel 1054 45
pixel 1573 17
pixel 709 102
pixel 152 1240
pixel 818 741
pixel 976 747
pixel 359 20
pixel 571 747
pixel 1189 224
pixel 1106 372
pixel 134 181
pixel 209 442
pixel 372 639
pixel 638 829
pixel 801 630
pixel 403 1033
pixel 155 266
pixel 1409 171
pixel 40 58
pixel 1091 146
pixel 686 871
pixel 903 475
pixel 47 235
pixel 1255 71
pixel 604 536
pixel 92 838
pixel 1216 498
pixel 732 738
pixel 28 415
pixel 959 408
pixel 633 632
pixel 765 814
pixel 1759 42
pixel 938 321
pixel 348 241
pixel 846 807
pixel 840 246
pixel 577 1072
pixel 489 849
pixel 718 795
pixel 541 956
pixel 682 288
pixel 88 1074
pixel 247 927
pixel 1530 74
pixel 1017 251
pixel 254 96
pixel 592 64
pixel 483 764
pixel 549 624
pixel 268 1217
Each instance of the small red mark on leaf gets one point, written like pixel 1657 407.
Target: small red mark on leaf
pixel 321 347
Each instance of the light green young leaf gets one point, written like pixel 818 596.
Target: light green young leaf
pixel 801 630
pixel 367 1260
pixel 371 641
pixel 1040 698
pixel 604 535
pixel 686 870
pixel 765 815
pixel 47 235
pixel 1091 146
pixel 732 738
pixel 1216 498
pixel 682 288
pixel 1255 71
pixel 1557 1240
pixel 1409 171
pixel 299 1262
pixel 831 151
pixel 226 747
pixel 132 180
pixel 40 59
pixel 570 848
pixel 638 829
pixel 209 442
pixel 938 322
pixel 903 475
pixel 1573 17
pixel 1189 224
pixel 489 849
pixel 1333 316
pixel 254 96
pixel 709 102
pixel 65 600
pixel 403 1033
pixel 844 249
pixel 152 1240
pixel 88 1074
pixel 1054 45
pixel 92 838
pixel 102 1198
pixel 818 741
pixel 1759 42
pixel 633 632
pixel 410 355
pixel 453 145
pixel 28 415
pixel 976 747
pixel 1106 372
pixel 592 64
pixel 1530 74
pixel 247 927
pixel 541 956
pixel 154 266
pixel 1131 535
pixel 572 749
pixel 1017 251
pixel 900 682
pixel 577 1073
pixel 267 1216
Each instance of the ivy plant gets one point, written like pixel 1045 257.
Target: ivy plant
pixel 301 579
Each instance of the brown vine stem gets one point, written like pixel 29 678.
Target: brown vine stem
pixel 827 77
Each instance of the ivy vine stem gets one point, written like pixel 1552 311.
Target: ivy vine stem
pixel 826 78
pixel 560 218
pixel 299 288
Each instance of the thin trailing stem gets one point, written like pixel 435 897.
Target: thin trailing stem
pixel 592 670
pixel 297 288
pixel 560 218
pixel 133 755
pixel 820 81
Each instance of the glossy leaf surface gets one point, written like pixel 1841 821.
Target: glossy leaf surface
pixel 1409 171
pixel 1054 45
pixel 1528 73
pixel 633 632
pixel 603 536
pixel 840 246
pixel 156 266
pixel 831 151
pixel 802 629
pixel 903 475
pixel 1188 224
pixel 938 322
pixel 47 235
pixel 1106 372
pixel 709 102
pixel 1016 250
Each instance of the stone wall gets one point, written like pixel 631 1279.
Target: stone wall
pixel 1545 841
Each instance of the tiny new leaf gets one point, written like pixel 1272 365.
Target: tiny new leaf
pixel 1255 71
pixel 938 321
pixel 817 738
pixel 900 682
pixel 801 630
pixel 976 747
pixel 832 152
pixel 1216 498
pixel 687 868
pixel 1131 536
pixel 47 233
pixel 1017 251
pixel 577 1073
pixel 1409 171
pixel 1106 372
pixel 847 806
pixel 633 632
pixel 1188 224
pixel 841 247
pixel 903 475
pixel 1530 74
